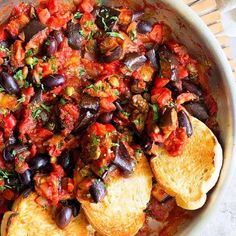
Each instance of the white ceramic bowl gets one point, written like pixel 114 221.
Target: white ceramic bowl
pixel 192 32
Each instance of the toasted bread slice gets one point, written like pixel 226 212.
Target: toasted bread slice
pixel 27 218
pixel 121 211
pixel 190 176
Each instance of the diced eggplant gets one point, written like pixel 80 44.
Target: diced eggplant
pixel 38 97
pixel 152 56
pixel 75 38
pixel 106 18
pixel 112 55
pixel 118 106
pixel 89 103
pixel 105 118
pixel 85 119
pixel 137 15
pixel 134 60
pixel 32 29
pixel 169 119
pixel 184 121
pixel 165 54
pixel 110 170
pixel 192 88
pixel 123 160
pixel 135 86
pixel 198 110
pixel 98 190
pixel 144 27
pixel 175 86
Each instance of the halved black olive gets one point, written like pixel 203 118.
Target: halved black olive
pixel 134 60
pixel 26 177
pixel 85 119
pixel 123 159
pixel 89 103
pixel 185 122
pixel 152 56
pixel 52 81
pixel 39 162
pixel 9 83
pixel 118 106
pixel 192 88
pixel 144 27
pixel 97 190
pixel 50 46
pixel 175 86
pixel 66 161
pixel 75 206
pixel 75 38
pixel 198 110
pixel 33 28
pixel 106 18
pixel 112 55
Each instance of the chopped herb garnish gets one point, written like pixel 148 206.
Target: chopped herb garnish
pixel 103 169
pixel 19 75
pixel 47 42
pixel 32 61
pixel 5 49
pixel 21 100
pixel 62 101
pixel 95 87
pixel 36 112
pixel 13 152
pixel 172 104
pixel 139 121
pixel 45 107
pixel 83 33
pixel 78 15
pixel 94 140
pixel 60 144
pixel 89 23
pixel 2 89
pixel 125 113
pixel 115 34
pixel 154 108
pixel 133 36
pixel 81 71
pixel 29 53
pixel 138 152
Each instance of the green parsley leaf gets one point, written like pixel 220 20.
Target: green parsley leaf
pixel 19 75
pixel 95 141
pixel 21 100
pixel 29 53
pixel 45 107
pixel 81 71
pixel 103 169
pixel 48 42
pixel 133 36
pixel 83 33
pixel 115 34
pixel 89 23
pixel 13 152
pixel 154 108
pixel 62 101
pixel 2 89
pixel 36 112
pixel 78 15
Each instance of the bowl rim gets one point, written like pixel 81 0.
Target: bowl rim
pixel 205 34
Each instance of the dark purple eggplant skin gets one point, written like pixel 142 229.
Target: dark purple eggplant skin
pixel 105 118
pixel 85 119
pixel 123 160
pixel 137 15
pixel 32 29
pixel 175 86
pixel 97 190
pixel 9 83
pixel 110 170
pixel 118 106
pixel 38 97
pixel 106 18
pixel 75 39
pixel 53 81
pixel 184 121
pixel 152 56
pixel 192 88
pixel 144 27
pixel 198 110
pixel 113 55
pixel 63 217
pixel 134 60
pixel 89 103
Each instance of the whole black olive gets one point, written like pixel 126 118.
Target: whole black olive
pixel 105 118
pixel 39 162
pixel 144 27
pixel 58 35
pixel 9 83
pixel 63 217
pixel 97 190
pixel 185 122
pixel 65 160
pixel 52 81
pixel 26 177
pixel 75 206
pixel 50 46
pixel 7 154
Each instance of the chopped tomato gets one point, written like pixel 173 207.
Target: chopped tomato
pixel 8 124
pixel 107 104
pixel 161 82
pixel 157 33
pixel 18 54
pixel 43 15
pixel 161 96
pixel 87 5
pixel 28 93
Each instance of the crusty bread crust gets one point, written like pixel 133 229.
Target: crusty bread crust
pixel 121 211
pixel 27 218
pixel 190 176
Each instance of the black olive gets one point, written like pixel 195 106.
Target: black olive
pixel 137 15
pixel 53 81
pixel 152 56
pixel 113 55
pixel 134 60
pixel 89 103
pixel 185 122
pixel 38 97
pixel 63 217
pixel 123 159
pixel 65 160
pixel 85 119
pixel 106 18
pixel 198 110
pixel 97 190
pixel 32 28
pixel 7 155
pixel 11 140
pixel 26 177
pixel 75 39
pixel 175 86
pixel 10 151
pixel 58 35
pixel 144 27
pixel 50 46
pixel 38 162
pixel 118 106
pixel 9 83
pixel 26 192
pixel 192 88
pixel 105 118
pixel 75 206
